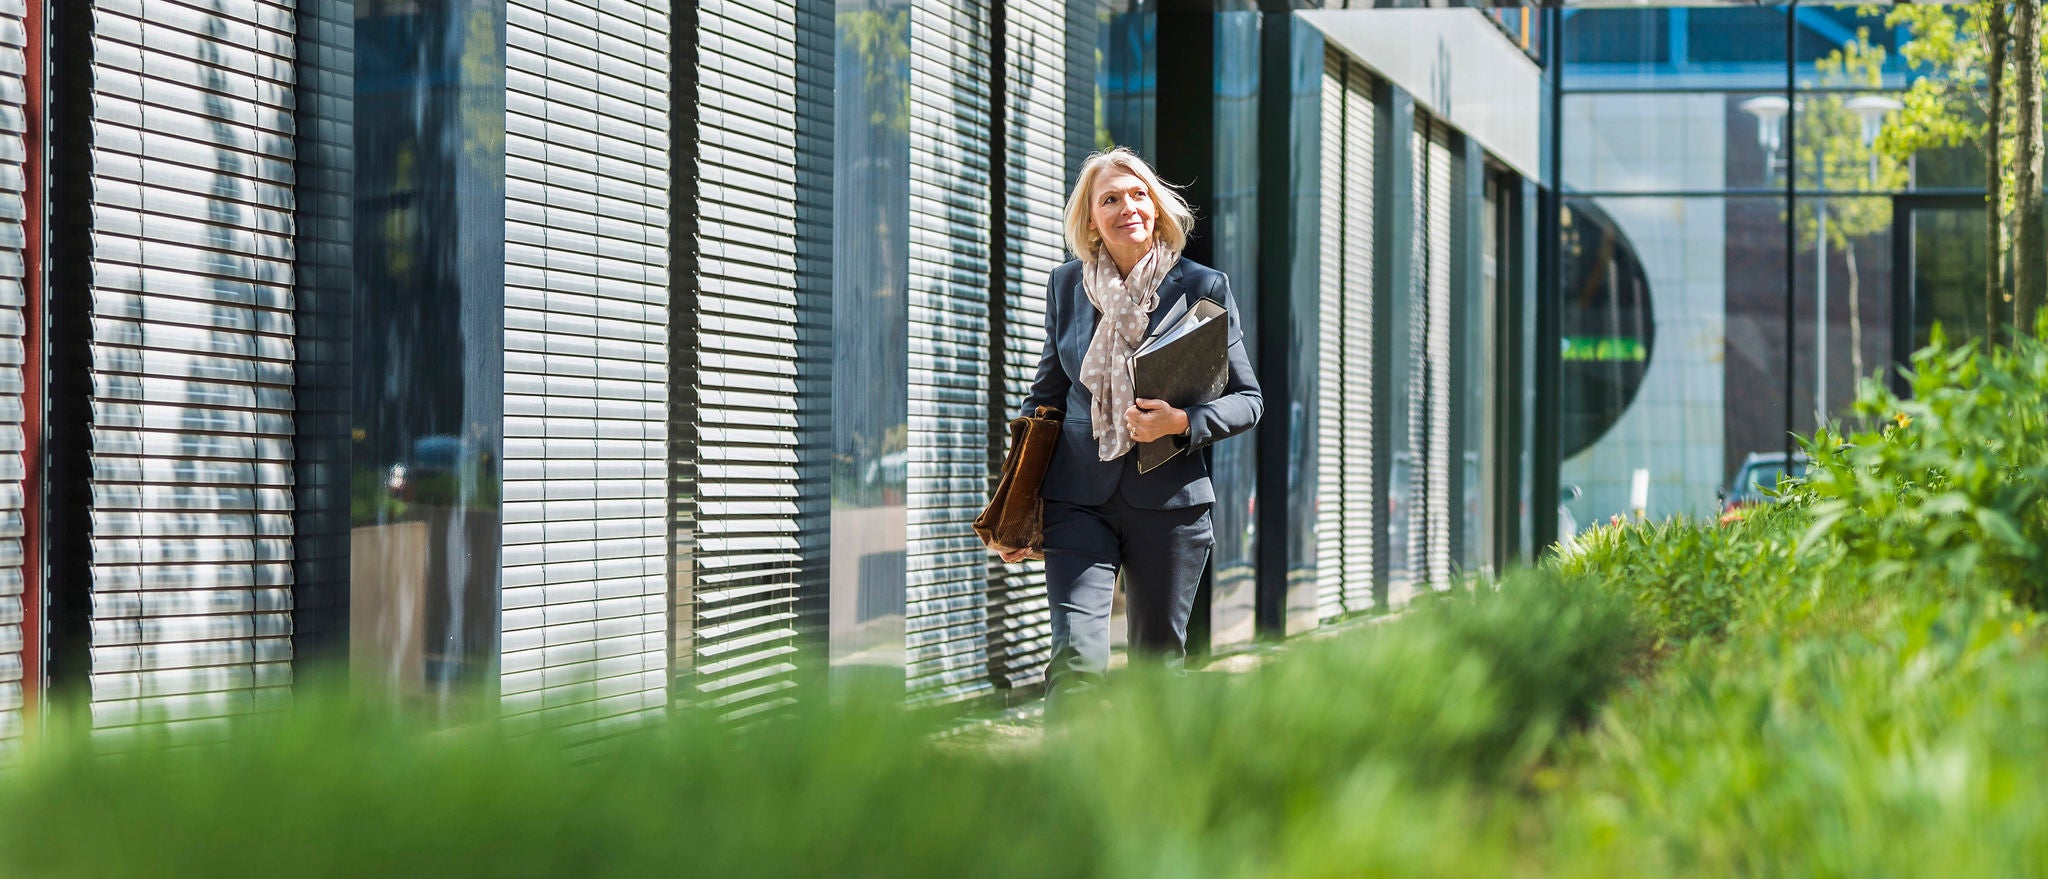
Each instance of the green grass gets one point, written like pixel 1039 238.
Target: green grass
pixel 1207 775
pixel 1817 690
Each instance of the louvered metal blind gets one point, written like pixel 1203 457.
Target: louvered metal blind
pixel 1416 431
pixel 1415 504
pixel 192 359
pixel 1361 491
pixel 1048 113
pixel 586 360
pixel 737 519
pixel 1330 389
pixel 946 620
pixel 1436 558
pixel 1344 535
pixel 13 238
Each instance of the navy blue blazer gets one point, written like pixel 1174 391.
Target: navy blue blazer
pixel 1076 475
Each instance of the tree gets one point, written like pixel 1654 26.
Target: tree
pixel 1833 156
pixel 1978 83
pixel 2028 257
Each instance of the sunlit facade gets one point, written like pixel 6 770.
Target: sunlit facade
pixel 590 359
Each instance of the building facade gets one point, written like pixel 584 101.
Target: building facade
pixel 589 359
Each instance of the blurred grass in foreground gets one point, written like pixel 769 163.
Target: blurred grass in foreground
pixel 1207 775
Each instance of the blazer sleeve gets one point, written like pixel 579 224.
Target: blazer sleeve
pixel 1049 388
pixel 1241 404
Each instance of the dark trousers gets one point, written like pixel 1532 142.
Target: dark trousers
pixel 1161 554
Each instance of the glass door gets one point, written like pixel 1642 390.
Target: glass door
pixel 1939 247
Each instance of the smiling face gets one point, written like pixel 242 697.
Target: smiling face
pixel 1123 213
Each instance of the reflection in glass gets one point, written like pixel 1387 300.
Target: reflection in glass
pixel 1843 315
pixel 1233 224
pixel 1948 273
pixel 1126 77
pixel 429 372
pixel 1609 327
pixel 1306 186
pixel 871 314
pixel 1679 48
pixel 1659 142
pixel 1673 316
pixel 1479 347
pixel 1824 30
pixel 1838 151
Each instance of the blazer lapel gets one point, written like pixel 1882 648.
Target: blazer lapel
pixel 1169 296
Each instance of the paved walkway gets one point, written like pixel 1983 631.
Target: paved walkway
pixel 1021 729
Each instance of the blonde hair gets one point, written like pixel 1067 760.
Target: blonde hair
pixel 1173 225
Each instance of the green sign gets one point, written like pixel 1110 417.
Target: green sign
pixel 1604 349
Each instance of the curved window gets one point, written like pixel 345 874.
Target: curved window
pixel 1609 330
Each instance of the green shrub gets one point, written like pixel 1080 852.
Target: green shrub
pixel 1688 579
pixel 1900 745
pixel 333 790
pixel 1206 775
pixel 1950 483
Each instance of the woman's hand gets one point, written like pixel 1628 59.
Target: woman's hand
pixel 1149 420
pixel 1016 555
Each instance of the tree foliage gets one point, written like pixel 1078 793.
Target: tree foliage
pixel 1971 86
pixel 1831 153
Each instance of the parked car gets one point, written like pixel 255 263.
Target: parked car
pixel 1567 524
pixel 1760 471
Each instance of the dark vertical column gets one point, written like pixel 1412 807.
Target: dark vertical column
pixel 1791 153
pixel 1394 209
pixel 1546 416
pixel 1186 121
pixel 1905 284
pixel 1507 343
pixel 684 156
pixel 815 72
pixel 33 312
pixel 1529 291
pixel 428 346
pixel 1518 371
pixel 1001 397
pixel 67 363
pixel 1468 297
pixel 1185 132
pixel 324 278
pixel 1289 229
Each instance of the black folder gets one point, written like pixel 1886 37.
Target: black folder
pixel 1187 363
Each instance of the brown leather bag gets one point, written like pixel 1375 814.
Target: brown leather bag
pixel 1015 516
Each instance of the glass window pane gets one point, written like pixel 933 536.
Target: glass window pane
pixel 1724 39
pixel 1674 361
pixel 1618 37
pixel 1233 221
pixel 1837 143
pixel 1685 142
pixel 1717 48
pixel 1948 266
pixel 1825 30
pixel 871 257
pixel 1842 319
pixel 1126 76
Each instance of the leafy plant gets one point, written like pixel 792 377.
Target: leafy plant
pixel 1951 481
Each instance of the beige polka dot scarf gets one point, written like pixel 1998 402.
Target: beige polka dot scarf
pixel 1126 305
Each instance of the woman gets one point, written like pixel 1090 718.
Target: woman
pixel 1126 230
